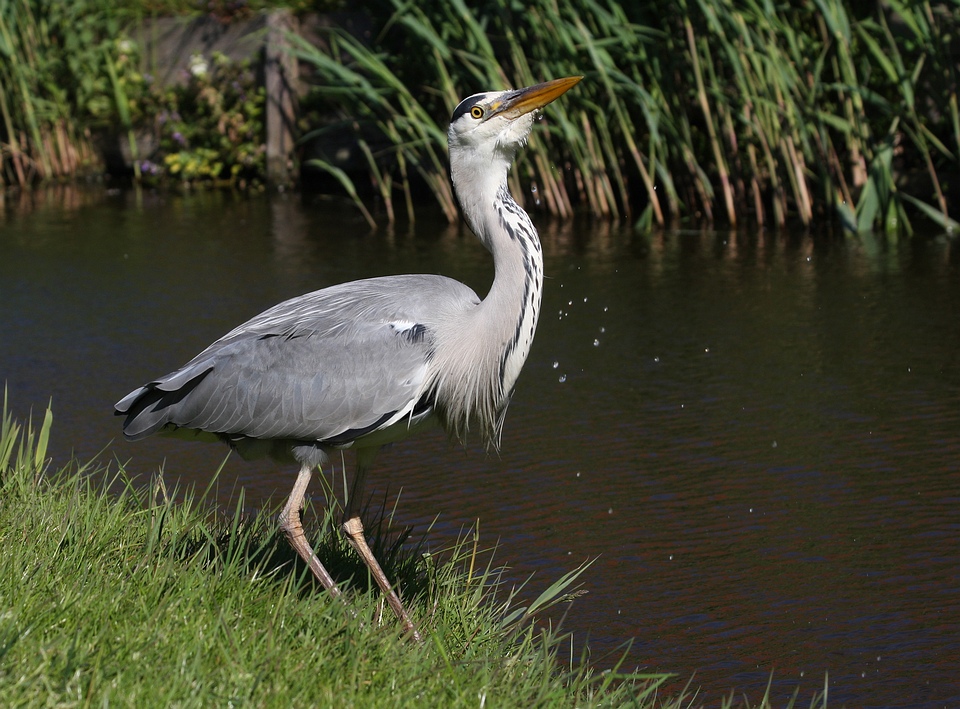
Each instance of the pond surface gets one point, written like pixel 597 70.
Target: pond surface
pixel 756 435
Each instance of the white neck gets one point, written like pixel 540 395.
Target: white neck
pixel 487 347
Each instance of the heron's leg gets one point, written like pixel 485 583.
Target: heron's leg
pixel 293 529
pixel 353 528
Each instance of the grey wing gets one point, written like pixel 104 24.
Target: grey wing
pixel 330 366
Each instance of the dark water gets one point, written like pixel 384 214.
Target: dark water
pixel 757 435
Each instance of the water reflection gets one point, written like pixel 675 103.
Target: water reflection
pixel 755 434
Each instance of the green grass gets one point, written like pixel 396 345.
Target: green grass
pixel 115 593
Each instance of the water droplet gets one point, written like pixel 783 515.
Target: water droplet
pixel 656 360
pixel 563 378
pixel 610 511
pixel 605 309
pixel 584 300
pixel 774 445
pixel 569 302
pixel 603 330
pixel 596 343
pixel 556 364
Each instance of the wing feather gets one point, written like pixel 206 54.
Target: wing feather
pixel 329 366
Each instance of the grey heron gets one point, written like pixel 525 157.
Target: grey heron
pixel 369 362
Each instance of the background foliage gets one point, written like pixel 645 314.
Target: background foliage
pixel 712 111
pixel 72 79
pixel 715 110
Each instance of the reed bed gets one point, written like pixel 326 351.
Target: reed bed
pixel 736 112
pixel 733 111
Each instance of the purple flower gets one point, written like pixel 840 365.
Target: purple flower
pixel 178 137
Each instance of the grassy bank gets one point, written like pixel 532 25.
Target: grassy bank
pixel 130 598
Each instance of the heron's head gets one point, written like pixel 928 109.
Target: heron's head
pixel 494 124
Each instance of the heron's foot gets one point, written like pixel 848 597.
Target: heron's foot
pixel 353 528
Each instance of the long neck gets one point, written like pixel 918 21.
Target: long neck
pixel 511 309
pixel 490 343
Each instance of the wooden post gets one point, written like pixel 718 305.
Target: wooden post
pixel 280 82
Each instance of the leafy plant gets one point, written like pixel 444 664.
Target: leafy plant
pixel 210 128
pixel 54 80
pixel 67 69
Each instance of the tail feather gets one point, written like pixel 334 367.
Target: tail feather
pixel 151 407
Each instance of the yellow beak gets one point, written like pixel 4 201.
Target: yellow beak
pixel 520 101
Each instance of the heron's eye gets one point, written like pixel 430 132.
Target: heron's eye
pixel 476 112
